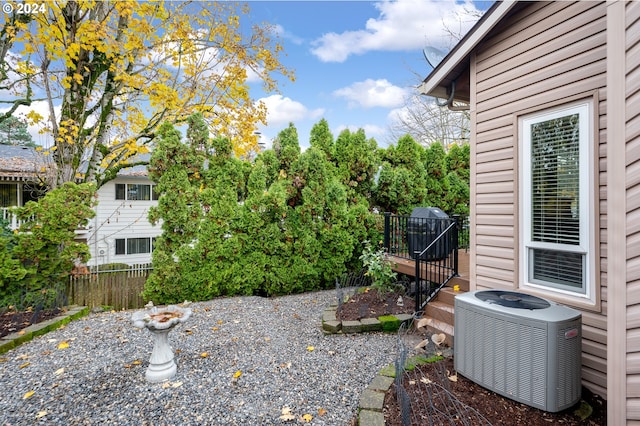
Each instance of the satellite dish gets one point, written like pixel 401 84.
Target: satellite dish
pixel 433 55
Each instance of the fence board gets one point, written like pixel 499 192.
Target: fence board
pixel 121 289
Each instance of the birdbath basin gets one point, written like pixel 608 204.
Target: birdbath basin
pixel 160 321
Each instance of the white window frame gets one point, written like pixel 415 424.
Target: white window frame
pixel 587 211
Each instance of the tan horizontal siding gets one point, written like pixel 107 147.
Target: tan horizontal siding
pixel 523 35
pixel 633 363
pixel 633 340
pixel 494 134
pixel 633 316
pixel 496 187
pixel 495 155
pixel 544 53
pixel 633 292
pixel 597 350
pixel 490 219
pixel 632 177
pixel 500 111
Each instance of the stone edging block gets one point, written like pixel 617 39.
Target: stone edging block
pixel 386 323
pixel 15 339
pixel 372 398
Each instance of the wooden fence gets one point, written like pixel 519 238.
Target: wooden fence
pixel 120 289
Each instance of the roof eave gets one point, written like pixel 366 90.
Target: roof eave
pixel 438 82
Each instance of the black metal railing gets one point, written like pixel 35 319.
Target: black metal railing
pixel 432 243
pixel 436 265
pixel 400 232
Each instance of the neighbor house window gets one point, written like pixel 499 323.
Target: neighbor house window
pixel 133 245
pixel 557 183
pixel 8 194
pixel 131 191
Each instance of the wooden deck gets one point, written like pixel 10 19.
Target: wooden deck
pixel 408 266
pixel 441 309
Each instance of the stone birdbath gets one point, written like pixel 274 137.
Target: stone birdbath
pixel 160 321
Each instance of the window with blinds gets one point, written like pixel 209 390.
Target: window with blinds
pixel 556 185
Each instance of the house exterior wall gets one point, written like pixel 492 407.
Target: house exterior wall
pixel 543 55
pixel 120 219
pixel 631 168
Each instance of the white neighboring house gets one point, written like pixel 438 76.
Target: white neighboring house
pixel 120 232
pixel 19 179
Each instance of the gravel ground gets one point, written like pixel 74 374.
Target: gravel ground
pixel 277 344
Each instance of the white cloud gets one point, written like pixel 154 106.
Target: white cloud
pixel 287 35
pixel 42 108
pixel 401 25
pixel 282 110
pixel 372 93
pixel 371 130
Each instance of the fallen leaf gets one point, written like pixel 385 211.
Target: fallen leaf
pixel 307 418
pixel 220 322
pixel 438 339
pixel 41 414
pixel 4 359
pixel 21 332
pixel 204 354
pixel 456 287
pixel 453 377
pixel 237 374
pixel 215 328
pixel 321 412
pixel 310 348
pixel 423 322
pixel 422 344
pixel 127 366
pixel 287 414
pixel 22 357
pixel 63 345
pixel 166 385
pixel 176 384
pixel 28 394
pixel 425 380
pixel 412 382
pixel 59 371
pixel 136 362
pixel 26 364
pixel 267 339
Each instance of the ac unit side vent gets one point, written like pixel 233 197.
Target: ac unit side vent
pixel 529 355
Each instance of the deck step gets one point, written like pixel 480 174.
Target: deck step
pixel 462 282
pixel 440 311
pixel 447 295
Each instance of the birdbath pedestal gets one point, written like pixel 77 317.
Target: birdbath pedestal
pixel 160 321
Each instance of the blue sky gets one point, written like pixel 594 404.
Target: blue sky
pixel 355 61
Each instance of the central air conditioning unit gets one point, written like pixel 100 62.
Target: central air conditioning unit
pixel 521 346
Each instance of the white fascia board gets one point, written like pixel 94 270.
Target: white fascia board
pixel 462 50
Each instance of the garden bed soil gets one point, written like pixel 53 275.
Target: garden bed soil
pixel 371 304
pixel 14 321
pixel 426 403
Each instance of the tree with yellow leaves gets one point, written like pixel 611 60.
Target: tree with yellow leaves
pixel 113 71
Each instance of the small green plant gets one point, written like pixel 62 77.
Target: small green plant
pixel 378 268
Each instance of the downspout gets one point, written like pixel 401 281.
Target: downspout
pixel 449 102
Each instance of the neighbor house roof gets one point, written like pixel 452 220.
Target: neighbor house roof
pixel 454 68
pixel 18 162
